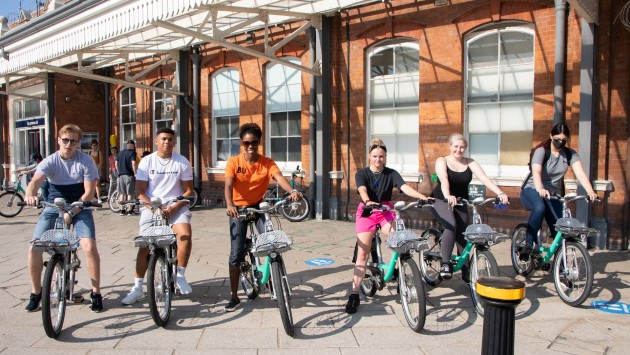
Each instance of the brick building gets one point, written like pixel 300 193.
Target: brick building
pixel 410 72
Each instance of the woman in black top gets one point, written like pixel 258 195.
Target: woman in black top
pixel 375 184
pixel 455 173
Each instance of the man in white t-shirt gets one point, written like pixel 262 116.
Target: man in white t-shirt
pixel 164 174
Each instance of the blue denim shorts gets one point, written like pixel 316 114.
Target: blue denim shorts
pixel 83 223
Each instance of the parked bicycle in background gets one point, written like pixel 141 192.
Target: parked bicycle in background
pixel 294 211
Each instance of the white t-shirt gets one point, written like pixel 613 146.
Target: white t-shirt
pixel 164 175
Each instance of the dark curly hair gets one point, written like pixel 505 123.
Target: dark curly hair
pixel 251 128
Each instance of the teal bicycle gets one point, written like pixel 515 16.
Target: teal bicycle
pixel 480 237
pixel 257 275
pixel 403 243
pixel 11 199
pixel 572 266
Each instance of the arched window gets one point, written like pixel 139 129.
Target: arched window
pixel 225 115
pixel 163 107
pixel 284 114
pixel 127 115
pixel 499 97
pixel 393 98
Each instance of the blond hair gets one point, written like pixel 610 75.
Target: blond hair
pixel 71 128
pixel 377 143
pixel 457 137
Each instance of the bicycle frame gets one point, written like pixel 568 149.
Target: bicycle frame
pixel 263 268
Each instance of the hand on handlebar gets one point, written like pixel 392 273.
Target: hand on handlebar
pixel 543 193
pixel 31 200
pixel 231 211
pixel 451 200
pixel 295 195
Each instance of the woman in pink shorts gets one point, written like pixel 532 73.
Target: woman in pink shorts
pixel 375 184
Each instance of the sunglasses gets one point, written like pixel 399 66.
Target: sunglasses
pixel 72 142
pixel 558 140
pixel 374 146
pixel 248 143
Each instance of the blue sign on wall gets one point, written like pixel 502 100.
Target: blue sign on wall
pixel 319 262
pixel 612 307
pixel 33 122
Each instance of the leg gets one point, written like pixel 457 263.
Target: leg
pixel 93 262
pixel 184 243
pixel 534 203
pixel 461 222
pixel 238 235
pixel 443 213
pixel 364 243
pixel 35 267
pixel 553 211
pixel 142 262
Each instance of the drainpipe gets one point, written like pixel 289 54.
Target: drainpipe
pixel 348 92
pixel 196 61
pixel 311 126
pixel 107 110
pixel 2 100
pixel 559 62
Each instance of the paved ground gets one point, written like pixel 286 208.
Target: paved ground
pixel 198 325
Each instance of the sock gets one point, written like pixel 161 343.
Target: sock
pixel 138 282
pixel 181 271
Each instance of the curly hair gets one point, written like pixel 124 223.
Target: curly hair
pixel 251 128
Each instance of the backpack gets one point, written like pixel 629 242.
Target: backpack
pixel 567 153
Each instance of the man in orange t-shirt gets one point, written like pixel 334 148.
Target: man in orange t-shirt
pixel 247 176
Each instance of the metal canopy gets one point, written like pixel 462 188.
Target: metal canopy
pixel 117 32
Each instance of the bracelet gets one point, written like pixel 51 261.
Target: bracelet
pixel 294 190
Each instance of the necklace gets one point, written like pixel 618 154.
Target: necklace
pixel 377 176
pixel 164 162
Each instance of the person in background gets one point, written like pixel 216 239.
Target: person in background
pixel 127 166
pixel 145 153
pixel 113 172
pixel 95 154
pixel 455 172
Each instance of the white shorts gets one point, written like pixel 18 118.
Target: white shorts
pixel 182 215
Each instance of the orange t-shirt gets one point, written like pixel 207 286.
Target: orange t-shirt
pixel 250 181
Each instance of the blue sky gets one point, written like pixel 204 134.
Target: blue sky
pixel 13 6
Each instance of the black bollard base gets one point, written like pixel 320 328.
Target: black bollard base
pixel 500 295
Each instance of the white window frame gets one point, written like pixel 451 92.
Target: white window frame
pixel 409 171
pixel 288 164
pixel 510 174
pixel 167 109
pixel 232 113
pixel 20 155
pixel 132 107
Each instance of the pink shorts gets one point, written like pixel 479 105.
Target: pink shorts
pixel 368 224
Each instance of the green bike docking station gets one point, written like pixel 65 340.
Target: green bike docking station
pixel 501 295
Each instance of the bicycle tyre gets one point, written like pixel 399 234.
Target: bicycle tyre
pixel 430 261
pixel 53 298
pixel 195 201
pixel 281 290
pixel 519 238
pixel 9 204
pixel 485 266
pixel 296 211
pixel 412 296
pixel 368 286
pixel 113 202
pixel 568 283
pixel 159 288
pixel 249 278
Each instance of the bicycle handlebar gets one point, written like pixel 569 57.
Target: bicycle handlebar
pixel 264 208
pixel 572 197
pixel 61 204
pixel 400 205
pixel 157 202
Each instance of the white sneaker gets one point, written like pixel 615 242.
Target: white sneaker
pixel 183 285
pixel 134 296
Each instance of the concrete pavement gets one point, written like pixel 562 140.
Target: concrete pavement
pixel 199 325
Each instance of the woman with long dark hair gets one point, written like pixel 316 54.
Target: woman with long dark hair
pixel 549 163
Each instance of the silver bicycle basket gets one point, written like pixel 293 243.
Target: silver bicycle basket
pixel 572 227
pixel 268 242
pixel 404 241
pixel 62 239
pixel 160 235
pixel 483 233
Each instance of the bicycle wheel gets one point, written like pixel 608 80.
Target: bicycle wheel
pixel 114 206
pixel 430 260
pixel 485 266
pixel 412 295
pixel 296 211
pixel 575 281
pixel 53 298
pixel 9 204
pixel 160 295
pixel 195 201
pixel 368 286
pixel 519 238
pixel 281 290
pixel 249 278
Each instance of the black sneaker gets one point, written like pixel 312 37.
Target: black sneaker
pixel 232 305
pixel 33 303
pixel 97 302
pixel 524 255
pixel 353 303
pixel 123 212
pixel 446 272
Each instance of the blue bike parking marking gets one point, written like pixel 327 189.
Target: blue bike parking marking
pixel 319 262
pixel 612 307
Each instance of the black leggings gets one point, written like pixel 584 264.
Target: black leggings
pixel 455 222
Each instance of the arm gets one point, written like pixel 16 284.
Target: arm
pixel 538 184
pixel 410 191
pixel 230 207
pixel 440 170
pixel 31 190
pixel 365 197
pixel 141 190
pixel 134 166
pixel 187 185
pixel 286 186
pixel 580 174
pixel 481 175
